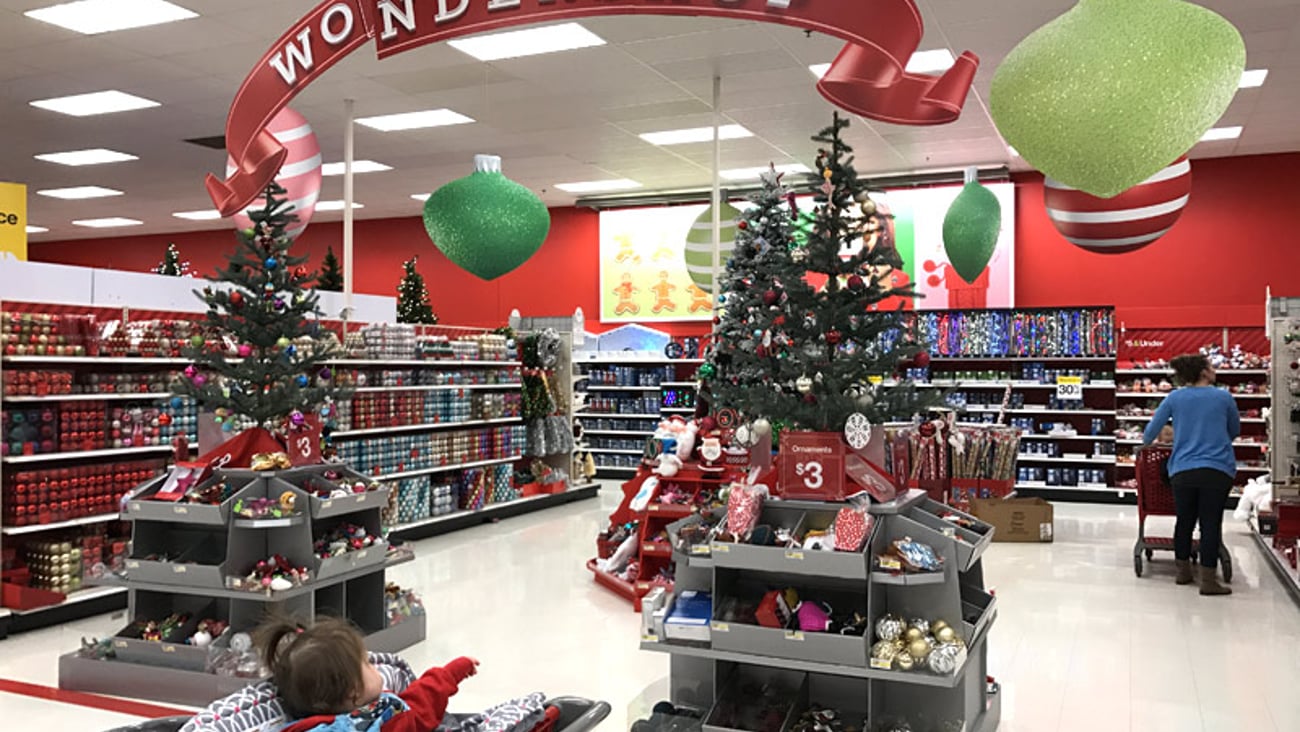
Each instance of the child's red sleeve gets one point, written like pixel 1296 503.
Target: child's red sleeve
pixel 428 697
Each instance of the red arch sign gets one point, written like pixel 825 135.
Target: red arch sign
pixel 867 78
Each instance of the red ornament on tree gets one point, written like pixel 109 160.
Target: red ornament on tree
pixel 921 360
pixel 834 337
pixel 300 272
pixel 809 398
pixel 236 299
pixel 770 297
pixel 855 283
pixel 742 225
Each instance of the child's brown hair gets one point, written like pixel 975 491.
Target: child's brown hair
pixel 317 670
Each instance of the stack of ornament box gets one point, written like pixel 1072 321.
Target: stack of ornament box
pixel 831 670
pixel 187 558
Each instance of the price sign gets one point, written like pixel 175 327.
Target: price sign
pixel 812 466
pixel 1069 388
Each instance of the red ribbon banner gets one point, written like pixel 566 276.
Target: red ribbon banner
pixel 868 77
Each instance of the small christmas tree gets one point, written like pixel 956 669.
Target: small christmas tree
pixel 413 298
pixel 172 266
pixel 281 374
pixel 801 356
pixel 331 274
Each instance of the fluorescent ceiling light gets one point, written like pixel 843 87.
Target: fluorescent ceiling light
pixel 528 42
pixel 208 215
pixel 79 192
pixel 756 173
pixel 696 134
pixel 36 229
pixel 108 223
pixel 358 167
pixel 105 102
pixel 414 120
pixel 421 197
pixel 96 156
pixel 1251 78
pixel 921 62
pixel 1222 133
pixel 102 16
pixel 599 186
pixel 335 205
pixel 929 62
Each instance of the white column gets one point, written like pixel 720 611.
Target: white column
pixel 717 190
pixel 348 151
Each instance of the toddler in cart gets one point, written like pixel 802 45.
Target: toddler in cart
pixel 327 683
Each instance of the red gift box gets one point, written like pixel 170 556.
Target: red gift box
pixel 775 609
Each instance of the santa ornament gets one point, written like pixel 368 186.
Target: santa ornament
pixel 1127 222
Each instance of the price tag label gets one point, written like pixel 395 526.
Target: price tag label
pixel 653 508
pixel 794 635
pixel 1069 388
pixel 361 498
pixel 891 563
pixel 699 549
pixel 132 565
pixel 880 665
pixel 648 548
pixel 722 548
pixel 180 510
pixel 169 649
pixel 180 569
pixel 720 627
pixel 649 638
pixel 795 554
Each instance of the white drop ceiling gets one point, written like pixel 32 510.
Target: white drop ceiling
pixel 574 116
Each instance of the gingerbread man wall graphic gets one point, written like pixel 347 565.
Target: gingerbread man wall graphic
pixel 663 294
pixel 625 290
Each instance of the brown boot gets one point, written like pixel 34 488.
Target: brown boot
pixel 1185 576
pixel 1210 582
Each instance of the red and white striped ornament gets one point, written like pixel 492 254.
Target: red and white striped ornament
pixel 300 175
pixel 1127 222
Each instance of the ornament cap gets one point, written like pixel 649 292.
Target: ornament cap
pixel 487 163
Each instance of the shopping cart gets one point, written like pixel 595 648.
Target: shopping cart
pixel 1156 498
pixel 563 714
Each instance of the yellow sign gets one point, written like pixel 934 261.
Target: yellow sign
pixel 13 221
pixel 1069 388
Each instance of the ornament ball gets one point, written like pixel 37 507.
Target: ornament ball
pixel 834 337
pixel 325 373
pixel 245 351
pixel 297 418
pixel 708 371
pixel 302 380
pixel 271 262
pixel 236 299
pixel 770 297
pixel 855 283
pixel 197 341
pixel 164 419
pixel 300 272
pixel 922 360
pixel 190 371
pixel 283 342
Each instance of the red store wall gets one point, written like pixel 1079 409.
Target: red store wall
pixel 1234 239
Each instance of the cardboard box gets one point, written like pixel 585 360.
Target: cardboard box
pixel 1016 519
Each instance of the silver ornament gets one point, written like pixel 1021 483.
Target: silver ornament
pixel 890 628
pixel 921 624
pixel 803 384
pixel 943 660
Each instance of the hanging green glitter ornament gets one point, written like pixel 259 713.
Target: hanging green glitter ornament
pixel 1111 92
pixel 485 223
pixel 971 228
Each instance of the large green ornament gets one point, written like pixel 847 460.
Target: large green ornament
pixel 699 245
pixel 1111 92
pixel 486 223
pixel 971 229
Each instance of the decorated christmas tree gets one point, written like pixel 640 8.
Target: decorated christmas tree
pixel 802 355
pixel 172 266
pixel 331 274
pixel 268 314
pixel 413 297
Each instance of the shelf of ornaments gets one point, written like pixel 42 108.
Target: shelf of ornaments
pixel 859 671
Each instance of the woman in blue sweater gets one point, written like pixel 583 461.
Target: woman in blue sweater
pixel 1203 464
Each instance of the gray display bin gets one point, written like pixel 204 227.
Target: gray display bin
pixel 325 568
pixel 303 478
pixel 787 560
pixel 200 554
pixel 970 544
pixel 842 596
pixel 735 696
pixel 140 507
pixel 173 653
pixel 903 527
pixel 979 609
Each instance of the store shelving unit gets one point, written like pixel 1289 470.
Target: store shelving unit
pixel 832 670
pixel 1250 448
pixel 617 438
pixel 1070 462
pixel 185 562
pixel 1281 540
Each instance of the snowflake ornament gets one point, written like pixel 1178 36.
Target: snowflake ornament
pixel 857 431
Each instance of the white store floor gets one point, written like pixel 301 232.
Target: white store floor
pixel 1080 642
